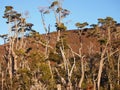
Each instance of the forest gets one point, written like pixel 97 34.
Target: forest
pixel 80 59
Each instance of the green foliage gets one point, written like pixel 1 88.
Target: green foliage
pixel 52 84
pixel 54 4
pixel 108 21
pixel 54 57
pixel 100 20
pixel 45 73
pixel 37 37
pixel 93 25
pixel 35 58
pixel 8 8
pixel 59 13
pixel 20 52
pixel 62 43
pixel 59 9
pixel 102 41
pixel 81 25
pixel 24 78
pixel 60 27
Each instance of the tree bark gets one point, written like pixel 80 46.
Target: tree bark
pixel 59 87
pixel 100 68
pixel 83 73
pixel 118 82
pixel 2 81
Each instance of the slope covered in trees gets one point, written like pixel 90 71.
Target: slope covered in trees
pixel 86 58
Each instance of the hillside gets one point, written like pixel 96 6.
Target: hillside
pixel 39 59
pixel 89 40
pixel 81 59
pixel 72 38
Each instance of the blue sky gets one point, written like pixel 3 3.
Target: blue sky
pixel 80 11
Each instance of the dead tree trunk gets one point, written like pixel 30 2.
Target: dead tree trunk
pixel 83 72
pixel 100 68
pixel 118 82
